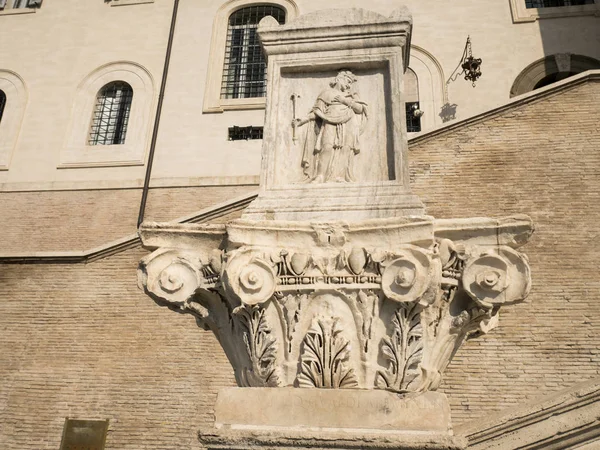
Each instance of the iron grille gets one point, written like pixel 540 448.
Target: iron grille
pixel 111 114
pixel 245 133
pixel 555 3
pixel 413 122
pixel 2 104
pixel 245 68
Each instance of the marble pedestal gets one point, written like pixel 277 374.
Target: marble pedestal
pixel 266 418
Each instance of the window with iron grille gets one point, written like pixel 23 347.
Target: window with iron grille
pixel 245 67
pixel 413 119
pixel 2 104
pixel 411 99
pixel 245 133
pixel 111 114
pixel 555 3
pixel 16 4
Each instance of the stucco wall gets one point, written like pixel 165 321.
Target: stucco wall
pixel 58 54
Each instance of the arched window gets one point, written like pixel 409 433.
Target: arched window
pixel 111 114
pixel 2 104
pixel 551 69
pixel 244 69
pixel 411 97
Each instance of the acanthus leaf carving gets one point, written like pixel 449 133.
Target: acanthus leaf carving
pixel 406 306
pixel 289 307
pixel 403 350
pixel 260 347
pixel 324 358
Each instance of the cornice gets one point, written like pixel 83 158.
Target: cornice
pixel 558 421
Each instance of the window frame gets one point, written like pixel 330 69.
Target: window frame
pixel 2 103
pixel 521 14
pixel 14 88
pixel 122 118
pixel 129 2
pixel 557 63
pixel 27 9
pixel 213 103
pixel 243 54
pixel 77 152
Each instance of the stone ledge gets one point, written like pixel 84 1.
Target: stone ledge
pixel 227 439
pixel 562 420
pixel 589 76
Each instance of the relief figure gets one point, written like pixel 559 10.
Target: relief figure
pixel 335 124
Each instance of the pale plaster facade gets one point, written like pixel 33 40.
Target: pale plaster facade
pixel 192 146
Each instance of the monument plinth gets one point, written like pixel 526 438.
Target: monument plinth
pixel 335 136
pixel 337 301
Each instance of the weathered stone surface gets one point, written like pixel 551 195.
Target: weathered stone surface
pixel 227 439
pixel 332 409
pixel 335 132
pixel 342 297
pixel 392 298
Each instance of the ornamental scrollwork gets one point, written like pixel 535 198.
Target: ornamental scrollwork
pixel 332 310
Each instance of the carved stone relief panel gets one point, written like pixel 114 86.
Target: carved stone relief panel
pixel 334 128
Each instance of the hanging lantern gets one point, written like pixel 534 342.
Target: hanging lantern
pixel 471 67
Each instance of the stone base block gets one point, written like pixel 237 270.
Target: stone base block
pixel 292 418
pixel 332 409
pixel 297 439
pixel 335 201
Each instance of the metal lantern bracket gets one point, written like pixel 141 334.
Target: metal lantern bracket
pixel 471 67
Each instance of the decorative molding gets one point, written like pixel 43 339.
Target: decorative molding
pixel 213 103
pixel 432 86
pixel 77 153
pixel 560 63
pixel 157 183
pixel 522 14
pixel 129 2
pixel 14 111
pixel 278 439
pixel 15 11
pixel 565 419
pixel 414 287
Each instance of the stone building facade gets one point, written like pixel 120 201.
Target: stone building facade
pixel 80 340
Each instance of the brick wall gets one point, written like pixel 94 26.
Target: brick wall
pixel 81 220
pixel 81 340
pixel 541 159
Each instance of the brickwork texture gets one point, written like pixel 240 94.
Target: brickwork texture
pixel 81 220
pixel 82 341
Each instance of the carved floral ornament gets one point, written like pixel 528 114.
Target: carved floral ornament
pixel 340 315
